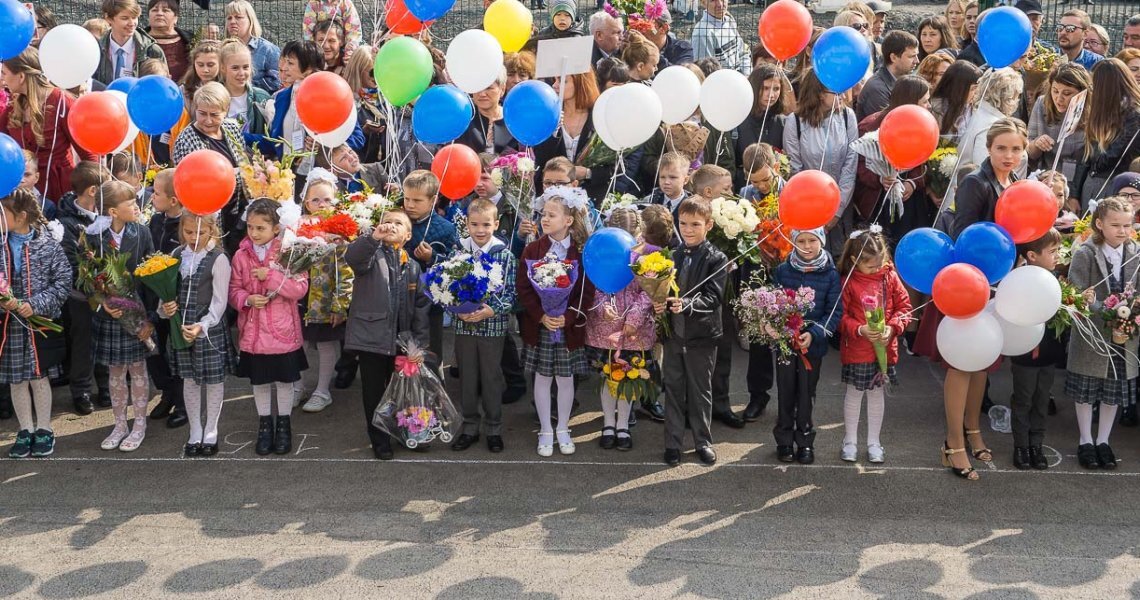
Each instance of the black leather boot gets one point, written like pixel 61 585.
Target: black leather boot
pixel 283 440
pixel 264 436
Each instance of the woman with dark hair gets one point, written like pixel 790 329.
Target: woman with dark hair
pixel 1111 131
pixel 611 72
pixel 1065 81
pixel 772 93
pixel 952 95
pixel 175 42
pixel 330 37
pixel 934 35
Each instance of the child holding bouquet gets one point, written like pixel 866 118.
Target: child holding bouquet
pixel 878 311
pixel 555 341
pixel 165 232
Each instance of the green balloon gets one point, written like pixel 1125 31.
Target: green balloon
pixel 403 70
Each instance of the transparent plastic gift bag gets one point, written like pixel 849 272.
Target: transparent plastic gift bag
pixel 1000 419
pixel 415 409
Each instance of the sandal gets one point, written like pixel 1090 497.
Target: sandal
pixel 608 440
pixel 965 473
pixel 982 454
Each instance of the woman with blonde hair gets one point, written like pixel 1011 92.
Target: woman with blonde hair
pixel 642 56
pixel 242 23
pixel 247 102
pixel 1001 94
pixel 1111 129
pixel 1131 59
pixel 362 81
pixel 955 15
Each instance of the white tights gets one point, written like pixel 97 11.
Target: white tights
pixel 326 364
pixel 23 394
pixel 263 398
pixel 1104 423
pixel 610 406
pixel 137 396
pixel 192 394
pixel 565 404
pixel 852 405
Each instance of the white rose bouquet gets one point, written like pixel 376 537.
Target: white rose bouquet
pixel 734 228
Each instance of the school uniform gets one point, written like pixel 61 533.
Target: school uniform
pixel 204 281
pixel 165 235
pixel 542 354
pixel 112 345
pixel 37 270
pixel 441 235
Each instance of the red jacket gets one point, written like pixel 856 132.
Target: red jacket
pixel 855 349
pixel 581 298
pixel 57 143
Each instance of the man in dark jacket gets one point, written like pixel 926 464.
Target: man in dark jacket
pixel 900 57
pixel 673 51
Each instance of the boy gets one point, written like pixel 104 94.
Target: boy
pixel 695 318
pixel 480 336
pixel 124 47
pixel 433 237
pixel 760 167
pixel 351 174
pixel 715 36
pixel 126 168
pixel 563 24
pixel 712 181
pixel 29 182
pixel 1033 372
pixel 672 177
pixel 164 231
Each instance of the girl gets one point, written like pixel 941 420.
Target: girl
pixel 247 103
pixel 642 57
pixel 1064 82
pixel 38 278
pixel 1111 129
pixel 330 291
pixel 1104 264
pixel 950 99
pixel 361 80
pixel 765 123
pixel 866 267
pixel 204 68
pixel 621 327
pixel 269 324
pixel 204 275
pixel 565 231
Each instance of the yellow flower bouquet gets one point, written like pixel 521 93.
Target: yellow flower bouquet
pixel 630 380
pixel 159 273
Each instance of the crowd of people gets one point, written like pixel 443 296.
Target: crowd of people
pixel 243 316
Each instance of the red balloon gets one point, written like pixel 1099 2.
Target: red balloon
pixel 961 291
pixel 204 181
pixel 98 122
pixel 810 199
pixel 1026 210
pixel 785 28
pixel 908 136
pixel 401 20
pixel 324 101
pixel 458 170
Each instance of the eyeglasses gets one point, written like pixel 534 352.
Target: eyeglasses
pixel 1130 196
pixel 1094 44
pixel 552 182
pixel 1069 28
pixel 860 27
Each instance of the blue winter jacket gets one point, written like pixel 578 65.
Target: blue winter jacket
pixel 281 101
pixel 828 287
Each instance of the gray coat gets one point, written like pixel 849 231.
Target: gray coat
pixel 1089 267
pixel 387 298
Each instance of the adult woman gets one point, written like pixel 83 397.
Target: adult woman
pixel 933 67
pixel 36 117
pixel 1097 40
pixel 1001 93
pixel 247 103
pixel 175 42
pixel 858 22
pixel 935 35
pixel 1131 59
pixel 955 16
pixel 359 75
pixel 950 99
pixel 330 37
pixel 488 132
pixel 1111 130
pixel 766 121
pixel 520 68
pixel 242 23
pixel 1065 81
pixel 803 60
pixel 641 55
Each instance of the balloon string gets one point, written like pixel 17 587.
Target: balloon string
pixel 727 264
pixel 949 195
pixel 827 135
pixel 60 108
pixel 760 139
pixel 665 148
pixel 866 240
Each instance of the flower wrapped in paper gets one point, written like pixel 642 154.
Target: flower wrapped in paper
pixel 553 280
pixel 365 207
pixel 868 147
pixel 415 409
pixel 877 323
pixel 463 283
pixel 514 174
pixel 734 229
pixel 774 316
pixel 1121 314
pixel 300 249
pixel 159 273
pixel 774 237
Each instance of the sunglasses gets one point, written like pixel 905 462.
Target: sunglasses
pixel 1069 28
pixel 860 27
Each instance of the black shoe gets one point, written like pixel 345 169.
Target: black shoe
pixel 731 419
pixel 785 454
pixel 672 457
pixel 176 419
pixel 104 399
pixel 608 440
pixel 495 443
pixel 707 455
pixel 1052 410
pixel 1021 458
pixel 624 442
pixel 753 411
pixel 632 418
pixel 512 395
pixel 60 381
pixel 283 437
pixel 805 456
pixel 83 405
pixel 383 450
pixel 464 442
pixel 264 436
pixel 209 449
pixel 344 379
pixel 1104 457
pixel 655 410
pixel 1086 455
pixel 192 450
pixel 1037 458
pixel 162 409
pixel 1128 417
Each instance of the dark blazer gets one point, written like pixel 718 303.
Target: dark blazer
pixel 581 298
pixel 476 137
pixel 976 198
pixel 876 95
pixel 1115 159
pixel 145 47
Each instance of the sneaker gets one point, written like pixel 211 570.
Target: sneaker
pixel 317 402
pixel 43 442
pixel 849 453
pixel 23 446
pixel 298 391
pixel 875 453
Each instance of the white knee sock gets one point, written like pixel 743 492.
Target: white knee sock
pixel 623 410
pixel 542 402
pixel 263 398
pixel 41 396
pixel 1084 422
pixel 192 396
pixel 1104 424
pixel 609 406
pixel 22 404
pixel 565 401
pixel 876 405
pixel 215 395
pixel 284 398
pixel 852 406
pixel 326 364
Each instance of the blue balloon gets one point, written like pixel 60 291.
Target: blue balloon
pixel 531 112
pixel 1004 36
pixel 921 254
pixel 987 246
pixel 428 10
pixel 840 58
pixel 155 104
pixel 606 259
pixel 17 28
pixel 441 114
pixel 11 165
pixel 123 84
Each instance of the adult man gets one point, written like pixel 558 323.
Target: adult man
pixel 606 31
pixel 1132 32
pixel 1032 9
pixel 715 36
pixel 673 51
pixel 1071 38
pixel 900 57
pixel 880 9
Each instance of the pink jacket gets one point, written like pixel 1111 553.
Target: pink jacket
pixel 275 329
pixel 634 308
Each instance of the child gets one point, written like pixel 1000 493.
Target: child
pixel 350 173
pixel 386 301
pixel 807 266
pixel 124 47
pixel 760 167
pixel 269 324
pixel 247 103
pixel 165 230
pixel 1033 372
pixel 1102 265
pixel 126 168
pixel 480 336
pixel 29 182
pixel 564 223
pixel 866 266
pixel 36 268
pixel 690 352
pixel 711 181
pixel 563 23
pixel 204 276
pixel 659 228
pixel 118 230
pixel 433 237
pixel 330 291
pixel 205 66
pixel 672 176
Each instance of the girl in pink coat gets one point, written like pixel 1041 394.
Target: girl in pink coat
pixel 269 324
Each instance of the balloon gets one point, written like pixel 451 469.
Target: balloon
pixel 970 345
pixel 17 28
pixel 123 84
pixel 1026 210
pixel 204 181
pixel 840 58
pixel 809 200
pixel 680 93
pixel 988 247
pixel 11 165
pixel 1028 296
pixel 458 169
pixel 1018 339
pixel 155 104
pixel 960 291
pixel 531 111
pixel 323 101
pixel 510 22
pixel 132 130
pixel 606 259
pixel 726 99
pixel 429 10
pixel 908 136
pixel 403 70
pixel 98 122
pixel 340 135
pixel 69 55
pixel 632 115
pixel 785 28
pixel 474 60
pixel 400 20
pixel 921 254
pixel 1004 35
pixel 441 114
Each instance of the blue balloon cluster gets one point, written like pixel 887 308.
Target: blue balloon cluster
pixel 441 114
pixel 921 254
pixel 1004 36
pixel 155 104
pixel 531 112
pixel 987 246
pixel 606 259
pixel 17 28
pixel 123 84
pixel 840 58
pixel 11 165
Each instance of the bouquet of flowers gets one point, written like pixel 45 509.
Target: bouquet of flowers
pixel 159 273
pixel 656 275
pixel 1041 60
pixel 366 207
pixel 940 169
pixel 104 277
pixel 877 324
pixel 415 408
pixel 35 323
pixel 302 248
pixel 1120 316
pixel 734 232
pixel 629 380
pixel 775 244
pixel 463 283
pixel 152 172
pixel 266 178
pixel 1072 303
pixel 553 279
pixel 640 15
pixel 773 316
pixel 514 174
pixel 615 201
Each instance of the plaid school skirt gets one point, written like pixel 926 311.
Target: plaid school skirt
pixel 18 359
pixel 208 360
pixel 112 346
pixel 551 359
pixel 1110 391
pixel 862 376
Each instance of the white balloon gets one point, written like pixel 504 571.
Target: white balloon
pixel 1029 295
pixel 338 136
pixel 132 130
pixel 970 344
pixel 726 99
pixel 1018 339
pixel 474 60
pixel 69 55
pixel 632 115
pixel 598 116
pixel 680 93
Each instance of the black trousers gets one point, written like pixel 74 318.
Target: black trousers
pixel 158 367
pixel 86 377
pixel 761 374
pixel 795 387
pixel 688 370
pixel 722 371
pixel 1030 404
pixel 375 373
